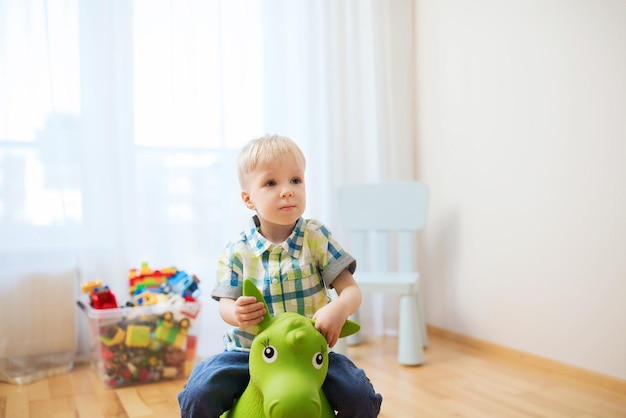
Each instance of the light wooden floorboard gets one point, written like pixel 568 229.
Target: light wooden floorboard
pixel 456 381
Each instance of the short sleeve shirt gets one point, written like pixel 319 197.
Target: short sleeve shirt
pixel 292 276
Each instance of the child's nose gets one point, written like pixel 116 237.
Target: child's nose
pixel 286 192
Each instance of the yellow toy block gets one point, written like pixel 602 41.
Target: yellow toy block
pixel 87 287
pixel 116 339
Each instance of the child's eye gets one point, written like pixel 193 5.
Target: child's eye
pixel 270 183
pixel 296 181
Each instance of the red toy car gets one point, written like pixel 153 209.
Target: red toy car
pixel 103 298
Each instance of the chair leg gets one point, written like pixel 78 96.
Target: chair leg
pixel 422 319
pixel 410 343
pixel 354 339
pixel 341 347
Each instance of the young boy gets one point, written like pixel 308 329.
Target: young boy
pixel 292 261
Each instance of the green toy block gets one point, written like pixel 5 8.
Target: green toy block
pixel 137 336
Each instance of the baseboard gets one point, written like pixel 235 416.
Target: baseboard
pixel 488 348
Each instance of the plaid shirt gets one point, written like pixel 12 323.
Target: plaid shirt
pixel 292 275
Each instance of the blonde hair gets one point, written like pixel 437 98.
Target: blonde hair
pixel 265 149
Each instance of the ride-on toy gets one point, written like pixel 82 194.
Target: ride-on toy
pixel 288 364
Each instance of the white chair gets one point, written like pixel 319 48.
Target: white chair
pixel 382 220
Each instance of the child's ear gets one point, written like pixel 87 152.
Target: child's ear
pixel 245 197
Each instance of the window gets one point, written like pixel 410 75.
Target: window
pixel 107 138
pixel 39 108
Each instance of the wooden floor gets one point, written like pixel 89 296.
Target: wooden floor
pixel 455 381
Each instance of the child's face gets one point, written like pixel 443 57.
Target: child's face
pixel 276 192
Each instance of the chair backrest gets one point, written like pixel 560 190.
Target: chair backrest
pixel 397 208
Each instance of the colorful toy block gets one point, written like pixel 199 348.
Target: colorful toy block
pixel 137 336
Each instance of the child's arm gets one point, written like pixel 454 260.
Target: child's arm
pixel 243 312
pixel 330 318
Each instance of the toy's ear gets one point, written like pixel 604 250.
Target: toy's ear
pixel 349 328
pixel 250 289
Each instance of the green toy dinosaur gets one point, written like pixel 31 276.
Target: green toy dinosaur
pixel 288 364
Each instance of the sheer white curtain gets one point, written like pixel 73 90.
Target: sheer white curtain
pixel 120 121
pixel 343 82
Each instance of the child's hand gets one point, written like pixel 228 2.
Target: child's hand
pixel 328 321
pixel 248 311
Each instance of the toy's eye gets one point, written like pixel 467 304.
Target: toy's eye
pixel 318 360
pixel 270 354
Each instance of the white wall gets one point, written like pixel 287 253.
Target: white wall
pixel 522 138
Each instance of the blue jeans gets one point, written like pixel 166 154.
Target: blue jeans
pixel 216 382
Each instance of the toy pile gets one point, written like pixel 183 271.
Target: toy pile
pixel 149 338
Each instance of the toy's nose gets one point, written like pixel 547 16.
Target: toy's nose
pixel 300 408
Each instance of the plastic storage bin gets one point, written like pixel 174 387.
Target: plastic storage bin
pixel 135 345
